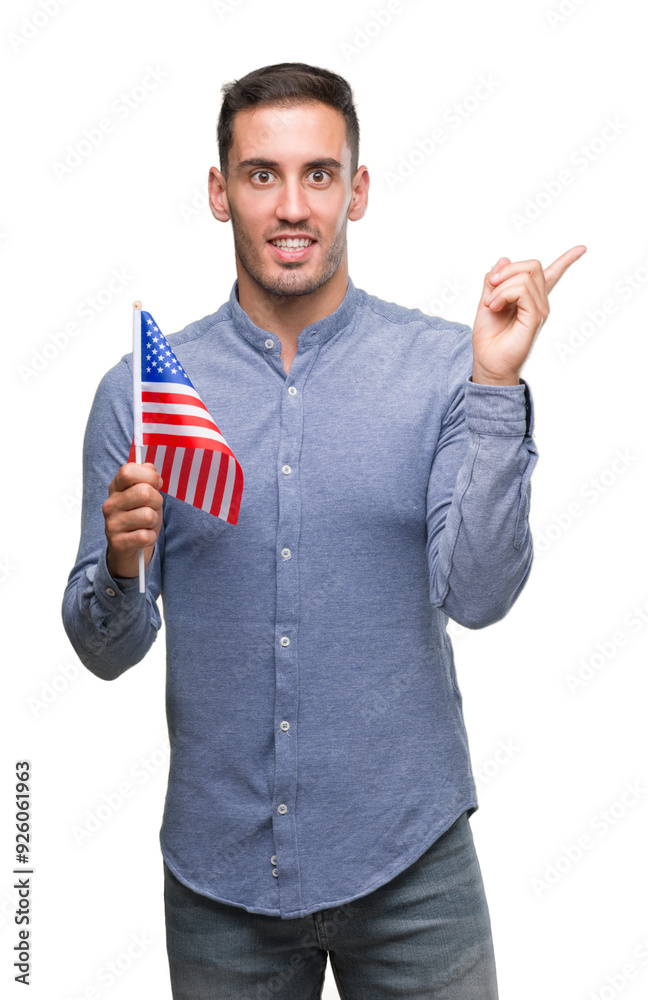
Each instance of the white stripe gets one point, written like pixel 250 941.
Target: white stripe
pixel 229 488
pixel 193 475
pixel 211 480
pixel 158 462
pixel 184 408
pixel 175 471
pixel 185 430
pixel 175 387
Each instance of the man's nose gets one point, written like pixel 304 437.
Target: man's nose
pixel 292 204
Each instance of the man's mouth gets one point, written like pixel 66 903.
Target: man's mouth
pixel 294 243
pixel 292 248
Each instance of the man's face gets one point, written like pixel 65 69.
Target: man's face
pixel 289 177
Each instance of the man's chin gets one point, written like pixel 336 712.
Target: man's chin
pixel 292 284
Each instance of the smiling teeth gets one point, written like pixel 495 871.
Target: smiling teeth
pixel 292 243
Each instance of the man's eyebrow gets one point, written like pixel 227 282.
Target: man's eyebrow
pixel 256 161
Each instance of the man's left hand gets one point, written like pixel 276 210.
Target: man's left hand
pixel 513 307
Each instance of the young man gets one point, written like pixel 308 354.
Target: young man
pixel 320 782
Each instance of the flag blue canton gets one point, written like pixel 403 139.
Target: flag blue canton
pixel 159 363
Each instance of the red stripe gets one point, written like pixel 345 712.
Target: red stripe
pixel 186 441
pixel 221 479
pixel 131 453
pixel 203 475
pixel 167 466
pixel 178 419
pixel 172 397
pixel 183 480
pixel 235 505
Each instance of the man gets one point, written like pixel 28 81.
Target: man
pixel 320 782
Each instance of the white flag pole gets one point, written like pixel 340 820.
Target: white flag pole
pixel 138 434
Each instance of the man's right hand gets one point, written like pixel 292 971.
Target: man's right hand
pixel 133 515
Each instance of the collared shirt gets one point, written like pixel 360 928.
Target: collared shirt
pixel 318 744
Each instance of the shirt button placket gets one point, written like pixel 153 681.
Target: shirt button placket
pixel 286 633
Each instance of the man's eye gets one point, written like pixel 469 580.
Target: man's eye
pixel 263 176
pixel 319 176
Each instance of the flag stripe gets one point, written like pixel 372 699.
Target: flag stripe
pixel 217 502
pixel 201 485
pixel 185 389
pixel 187 440
pixel 189 408
pixel 185 469
pixel 167 432
pixel 210 485
pixel 174 478
pixel 181 420
pixel 167 466
pixel 194 473
pixel 158 461
pixel 235 505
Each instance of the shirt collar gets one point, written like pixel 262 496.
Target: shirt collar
pixel 315 333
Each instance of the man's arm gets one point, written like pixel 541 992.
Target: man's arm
pixel 109 623
pixel 479 545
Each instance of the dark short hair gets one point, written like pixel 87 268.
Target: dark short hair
pixel 284 85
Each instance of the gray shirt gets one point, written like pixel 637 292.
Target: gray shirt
pixel 318 744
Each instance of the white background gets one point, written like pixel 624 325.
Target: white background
pixel 565 928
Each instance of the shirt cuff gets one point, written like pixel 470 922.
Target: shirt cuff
pixel 506 410
pixel 111 592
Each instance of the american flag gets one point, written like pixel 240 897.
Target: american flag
pixel 179 436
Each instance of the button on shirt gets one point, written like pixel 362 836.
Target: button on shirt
pixel 318 745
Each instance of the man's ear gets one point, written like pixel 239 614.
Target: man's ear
pixel 218 195
pixel 360 194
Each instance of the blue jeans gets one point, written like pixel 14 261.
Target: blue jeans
pixel 424 934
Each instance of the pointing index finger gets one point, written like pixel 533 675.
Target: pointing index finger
pixel 555 271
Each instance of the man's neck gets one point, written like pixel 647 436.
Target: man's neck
pixel 287 316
